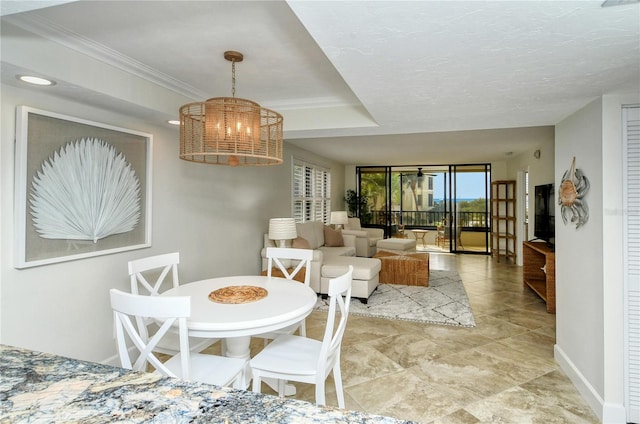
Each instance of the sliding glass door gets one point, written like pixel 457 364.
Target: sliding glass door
pixel 468 220
pixel 448 202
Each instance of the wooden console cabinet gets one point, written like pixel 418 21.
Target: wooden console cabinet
pixel 535 257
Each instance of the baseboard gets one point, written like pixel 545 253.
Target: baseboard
pixel 114 361
pixel 608 413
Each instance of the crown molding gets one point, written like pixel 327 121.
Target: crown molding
pixel 49 30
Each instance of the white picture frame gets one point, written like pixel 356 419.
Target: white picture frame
pixel 42 137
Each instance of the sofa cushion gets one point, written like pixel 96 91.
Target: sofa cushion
pixel 300 243
pixel 332 238
pixel 363 268
pixel 313 232
pixel 337 251
pixel 397 244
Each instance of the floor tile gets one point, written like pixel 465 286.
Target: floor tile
pixel 501 371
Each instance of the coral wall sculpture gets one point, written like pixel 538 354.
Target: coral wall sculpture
pixel 86 191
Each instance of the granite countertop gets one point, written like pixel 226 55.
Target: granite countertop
pixel 44 388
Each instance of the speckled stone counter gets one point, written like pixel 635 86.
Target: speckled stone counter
pixel 42 388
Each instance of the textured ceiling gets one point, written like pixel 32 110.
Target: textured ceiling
pixel 364 82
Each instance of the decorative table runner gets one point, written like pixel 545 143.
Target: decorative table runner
pixel 237 294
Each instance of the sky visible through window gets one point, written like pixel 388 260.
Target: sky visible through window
pixel 470 185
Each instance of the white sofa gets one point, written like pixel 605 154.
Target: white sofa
pixel 336 258
pixel 366 238
pixel 313 233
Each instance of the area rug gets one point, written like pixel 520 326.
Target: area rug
pixel 444 302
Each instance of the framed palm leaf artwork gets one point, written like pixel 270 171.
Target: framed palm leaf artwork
pixel 82 188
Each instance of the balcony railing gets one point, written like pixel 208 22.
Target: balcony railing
pixel 471 221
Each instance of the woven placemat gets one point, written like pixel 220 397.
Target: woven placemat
pixel 238 294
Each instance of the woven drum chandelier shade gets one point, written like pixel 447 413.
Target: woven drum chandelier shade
pixel 230 131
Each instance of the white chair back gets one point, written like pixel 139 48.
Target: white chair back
pixel 158 267
pixel 282 258
pixel 167 311
pixel 307 360
pixel 148 277
pixel 339 301
pixel 167 263
pixel 276 255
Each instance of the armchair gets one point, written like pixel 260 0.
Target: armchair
pixel 366 238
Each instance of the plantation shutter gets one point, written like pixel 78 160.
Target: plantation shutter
pixel 298 192
pixel 631 139
pixel 311 192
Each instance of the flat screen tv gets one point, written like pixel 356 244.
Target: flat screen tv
pixel 544 224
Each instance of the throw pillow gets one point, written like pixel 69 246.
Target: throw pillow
pixel 332 238
pixel 300 243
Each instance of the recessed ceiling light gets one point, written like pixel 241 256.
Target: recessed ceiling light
pixel 35 80
pixel 174 122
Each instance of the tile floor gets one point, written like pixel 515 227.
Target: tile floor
pixel 501 371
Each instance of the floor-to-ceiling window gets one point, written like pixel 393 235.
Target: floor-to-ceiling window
pixel 451 202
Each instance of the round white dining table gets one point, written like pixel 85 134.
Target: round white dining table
pixel 286 303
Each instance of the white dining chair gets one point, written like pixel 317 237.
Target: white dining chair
pixel 297 358
pixel 149 276
pixel 290 261
pixel 169 311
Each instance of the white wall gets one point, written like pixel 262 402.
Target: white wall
pixel 589 283
pixel 579 323
pixel 215 216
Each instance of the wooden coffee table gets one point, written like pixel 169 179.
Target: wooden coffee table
pixel 411 269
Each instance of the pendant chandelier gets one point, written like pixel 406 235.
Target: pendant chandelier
pixel 229 130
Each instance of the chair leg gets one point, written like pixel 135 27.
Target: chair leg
pixel 337 379
pixel 281 385
pixel 257 383
pixel 320 398
pixel 237 381
pixel 303 329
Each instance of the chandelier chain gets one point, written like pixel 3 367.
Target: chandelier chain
pixel 233 78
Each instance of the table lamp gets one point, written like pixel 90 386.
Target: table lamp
pixel 282 229
pixel 339 219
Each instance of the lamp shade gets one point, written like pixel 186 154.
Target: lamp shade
pixel 339 218
pixel 282 229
